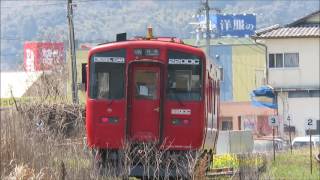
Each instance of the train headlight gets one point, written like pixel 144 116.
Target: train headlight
pixel 180 121
pixel 112 120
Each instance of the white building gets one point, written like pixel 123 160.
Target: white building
pixel 293 71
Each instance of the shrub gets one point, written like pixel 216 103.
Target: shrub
pixel 225 161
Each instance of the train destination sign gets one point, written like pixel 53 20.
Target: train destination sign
pixel 109 59
pixel 146 52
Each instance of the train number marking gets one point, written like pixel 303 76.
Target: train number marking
pixel 181 111
pixel 185 61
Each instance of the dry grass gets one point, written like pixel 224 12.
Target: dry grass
pixel 43 138
pixel 35 150
pixel 55 149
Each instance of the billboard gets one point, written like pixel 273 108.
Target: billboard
pixel 236 25
pixel 43 55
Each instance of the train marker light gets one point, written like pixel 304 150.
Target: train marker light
pixel 185 121
pixel 180 121
pixel 104 119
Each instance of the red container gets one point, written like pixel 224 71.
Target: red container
pixel 40 56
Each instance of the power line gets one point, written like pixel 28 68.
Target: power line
pixel 35 5
pixel 86 1
pixel 52 4
pixel 257 49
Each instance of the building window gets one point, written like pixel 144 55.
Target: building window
pixel 279 60
pixel 271 61
pixel 302 94
pixel 227 123
pixel 291 60
pixel 283 60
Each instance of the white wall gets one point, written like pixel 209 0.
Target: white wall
pixel 307 74
pixel 300 109
pixel 17 82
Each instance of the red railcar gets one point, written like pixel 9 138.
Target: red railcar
pixel 151 90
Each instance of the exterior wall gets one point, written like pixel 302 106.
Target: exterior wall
pixel 222 55
pixel 300 109
pixel 248 62
pixel 243 115
pixel 17 83
pixel 314 19
pixel 304 76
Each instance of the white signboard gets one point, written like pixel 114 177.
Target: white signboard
pixel 273 121
pixel 30 60
pixel 310 124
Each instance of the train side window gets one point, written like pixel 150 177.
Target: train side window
pixel 214 96
pixel 210 95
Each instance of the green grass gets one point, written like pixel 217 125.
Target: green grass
pixel 293 166
pixel 9 102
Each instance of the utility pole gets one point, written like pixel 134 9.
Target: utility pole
pixel 72 50
pixel 207 9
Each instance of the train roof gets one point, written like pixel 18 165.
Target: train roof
pixel 170 42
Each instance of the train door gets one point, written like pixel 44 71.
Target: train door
pixel 144 103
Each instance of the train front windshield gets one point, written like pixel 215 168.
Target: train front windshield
pixel 107 75
pixel 184 77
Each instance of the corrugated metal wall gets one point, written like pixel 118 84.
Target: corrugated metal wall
pixel 243 69
pixel 248 64
pixel 222 54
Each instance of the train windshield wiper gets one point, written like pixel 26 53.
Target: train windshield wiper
pixel 178 98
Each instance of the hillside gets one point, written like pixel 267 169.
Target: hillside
pixel 100 21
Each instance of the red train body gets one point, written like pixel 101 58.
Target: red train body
pixel 157 90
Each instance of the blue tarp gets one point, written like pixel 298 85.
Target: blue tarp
pixel 264 97
pixel 264 91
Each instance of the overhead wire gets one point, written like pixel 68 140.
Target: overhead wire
pixel 53 4
pixel 255 45
pixel 86 1
pixel 35 5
